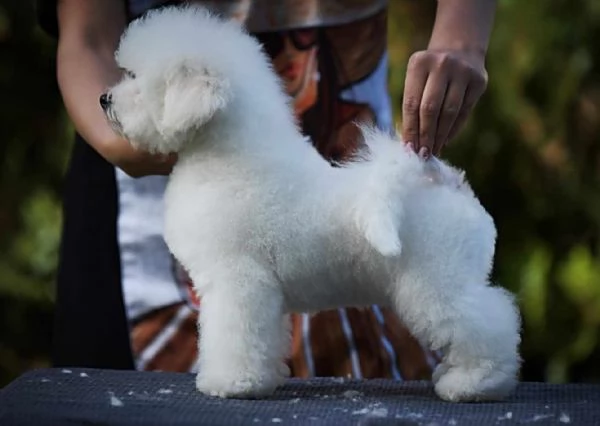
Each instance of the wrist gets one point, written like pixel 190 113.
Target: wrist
pixel 473 50
pixel 115 149
pixel 120 153
pixel 463 27
pixel 474 55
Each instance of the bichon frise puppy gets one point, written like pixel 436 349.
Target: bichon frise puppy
pixel 265 226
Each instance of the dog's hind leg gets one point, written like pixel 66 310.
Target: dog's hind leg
pixel 481 361
pixel 476 327
pixel 241 339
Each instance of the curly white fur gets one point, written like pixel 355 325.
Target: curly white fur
pixel 265 226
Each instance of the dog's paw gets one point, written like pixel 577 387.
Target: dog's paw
pixel 225 386
pixel 461 384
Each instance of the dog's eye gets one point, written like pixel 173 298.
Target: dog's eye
pixel 128 73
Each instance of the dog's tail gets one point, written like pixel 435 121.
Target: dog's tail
pixel 381 175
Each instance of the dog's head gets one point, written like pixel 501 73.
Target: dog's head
pixel 173 82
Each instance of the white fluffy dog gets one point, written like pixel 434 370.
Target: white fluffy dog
pixel 250 218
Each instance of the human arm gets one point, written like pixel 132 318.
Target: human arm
pixel 89 32
pixel 445 81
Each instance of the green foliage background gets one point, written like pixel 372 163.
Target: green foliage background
pixel 531 152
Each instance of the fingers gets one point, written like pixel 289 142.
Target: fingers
pixel 414 84
pixel 144 164
pixel 441 89
pixel 451 108
pixel 429 113
pixel 426 84
pixel 161 164
pixel 472 95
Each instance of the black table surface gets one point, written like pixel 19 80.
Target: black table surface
pixel 105 397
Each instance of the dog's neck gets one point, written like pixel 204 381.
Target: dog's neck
pixel 255 122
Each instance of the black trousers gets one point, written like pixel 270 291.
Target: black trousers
pixel 90 328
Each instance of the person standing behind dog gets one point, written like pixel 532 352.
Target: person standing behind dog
pixel 122 301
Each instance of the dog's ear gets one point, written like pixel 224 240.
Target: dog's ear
pixel 193 94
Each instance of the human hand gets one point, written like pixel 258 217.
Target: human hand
pixel 137 163
pixel 441 89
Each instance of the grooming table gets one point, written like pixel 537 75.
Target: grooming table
pixel 105 397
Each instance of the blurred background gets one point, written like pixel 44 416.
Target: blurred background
pixel 531 152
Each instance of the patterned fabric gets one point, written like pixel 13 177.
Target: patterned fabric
pixel 332 60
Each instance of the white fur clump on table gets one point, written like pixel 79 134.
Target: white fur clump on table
pixel 265 226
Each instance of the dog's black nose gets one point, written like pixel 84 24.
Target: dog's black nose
pixel 104 101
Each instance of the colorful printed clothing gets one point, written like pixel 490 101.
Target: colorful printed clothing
pixel 331 56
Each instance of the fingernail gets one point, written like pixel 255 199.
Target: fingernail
pixel 424 153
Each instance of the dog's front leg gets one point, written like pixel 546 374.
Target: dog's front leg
pixel 242 342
